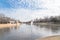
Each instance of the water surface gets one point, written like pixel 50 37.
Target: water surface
pixel 28 32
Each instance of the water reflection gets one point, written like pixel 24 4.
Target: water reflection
pixel 24 32
pixel 5 32
pixel 52 29
pixel 28 32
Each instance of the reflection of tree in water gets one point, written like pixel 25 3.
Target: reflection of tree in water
pixel 42 26
pixel 36 24
pixel 16 27
pixel 55 29
pixel 28 24
pixel 7 30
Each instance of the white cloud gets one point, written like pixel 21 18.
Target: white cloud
pixel 21 14
pixel 53 9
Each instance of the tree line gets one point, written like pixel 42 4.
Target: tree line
pixel 52 19
pixel 4 19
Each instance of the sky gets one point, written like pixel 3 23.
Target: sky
pixel 26 10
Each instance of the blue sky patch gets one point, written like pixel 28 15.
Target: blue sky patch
pixel 26 4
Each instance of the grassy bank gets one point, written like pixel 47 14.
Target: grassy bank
pixel 47 24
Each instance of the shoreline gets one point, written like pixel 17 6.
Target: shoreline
pixel 46 24
pixel 56 37
pixel 9 25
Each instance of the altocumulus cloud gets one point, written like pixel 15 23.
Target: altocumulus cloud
pixel 29 9
pixel 27 4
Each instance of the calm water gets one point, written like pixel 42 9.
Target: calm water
pixel 28 32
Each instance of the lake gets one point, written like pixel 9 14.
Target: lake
pixel 28 32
